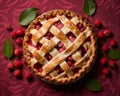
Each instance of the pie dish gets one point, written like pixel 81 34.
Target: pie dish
pixel 59 46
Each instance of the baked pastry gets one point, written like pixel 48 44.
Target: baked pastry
pixel 59 46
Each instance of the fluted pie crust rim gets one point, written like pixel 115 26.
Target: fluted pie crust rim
pixel 84 68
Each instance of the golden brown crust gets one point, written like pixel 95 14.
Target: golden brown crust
pixel 38 57
pixel 84 68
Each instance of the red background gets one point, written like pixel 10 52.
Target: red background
pixel 108 11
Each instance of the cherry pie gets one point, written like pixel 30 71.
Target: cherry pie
pixel 59 46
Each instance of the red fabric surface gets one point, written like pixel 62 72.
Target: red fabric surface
pixel 108 11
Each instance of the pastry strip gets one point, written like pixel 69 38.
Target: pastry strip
pixel 38 57
pixel 65 67
pixel 48 44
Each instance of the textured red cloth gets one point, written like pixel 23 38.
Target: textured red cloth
pixel 108 11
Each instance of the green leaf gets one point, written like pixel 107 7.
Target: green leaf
pixel 8 49
pixel 93 85
pixel 27 16
pixel 89 7
pixel 114 54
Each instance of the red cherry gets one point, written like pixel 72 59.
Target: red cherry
pixel 103 60
pixel 28 75
pixel 59 70
pixel 13 34
pixel 18 52
pixel 50 57
pixel 100 35
pixel 70 58
pixel 40 69
pixel 113 43
pixel 19 41
pixel 10 66
pixel 107 33
pixel 17 73
pixel 105 48
pixel 97 23
pixel 71 38
pixel 20 32
pixel 106 71
pixel 82 29
pixel 47 37
pixel 69 63
pixel 17 63
pixel 112 63
pixel 61 49
pixel 59 25
pixel 49 34
pixel 60 44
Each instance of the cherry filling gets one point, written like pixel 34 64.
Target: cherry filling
pixel 38 25
pixel 29 39
pixel 75 70
pixel 31 56
pixel 60 46
pixel 82 50
pixel 81 27
pixel 59 24
pixel 70 61
pixel 38 66
pixel 71 36
pixel 49 35
pixel 48 56
pixel 58 69
pixel 38 46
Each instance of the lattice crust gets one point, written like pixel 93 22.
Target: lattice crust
pixel 55 67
